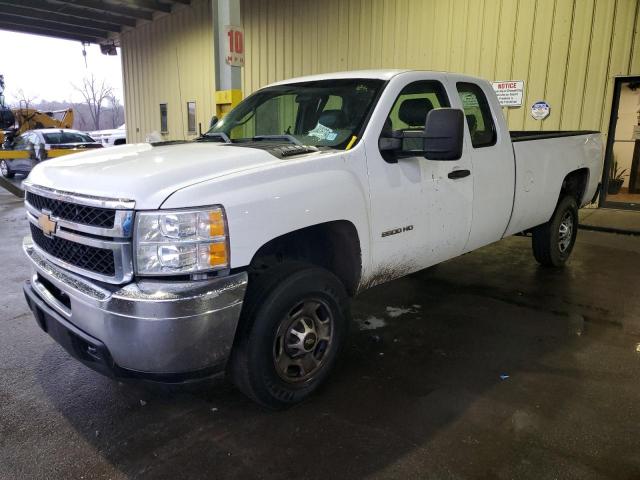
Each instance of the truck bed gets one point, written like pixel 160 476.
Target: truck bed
pixel 539 166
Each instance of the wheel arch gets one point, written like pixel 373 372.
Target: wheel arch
pixel 575 184
pixel 334 245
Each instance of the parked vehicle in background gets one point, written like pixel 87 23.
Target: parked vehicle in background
pixel 112 137
pixel 239 252
pixel 40 145
pixel 18 120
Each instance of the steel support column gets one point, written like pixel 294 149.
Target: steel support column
pixel 228 78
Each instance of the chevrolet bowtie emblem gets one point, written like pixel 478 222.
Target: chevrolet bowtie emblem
pixel 47 225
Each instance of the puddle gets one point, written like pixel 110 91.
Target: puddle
pixel 371 323
pixel 395 312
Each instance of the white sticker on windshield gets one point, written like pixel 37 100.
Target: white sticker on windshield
pixel 332 136
pixel 320 132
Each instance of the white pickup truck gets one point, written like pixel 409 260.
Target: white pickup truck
pixel 239 252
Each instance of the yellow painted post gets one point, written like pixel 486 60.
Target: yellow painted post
pixel 226 100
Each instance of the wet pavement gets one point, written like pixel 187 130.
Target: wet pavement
pixel 486 366
pixel 611 220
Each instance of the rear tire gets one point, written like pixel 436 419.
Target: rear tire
pixel 5 170
pixel 553 242
pixel 293 326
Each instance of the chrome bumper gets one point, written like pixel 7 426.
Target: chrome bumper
pixel 148 327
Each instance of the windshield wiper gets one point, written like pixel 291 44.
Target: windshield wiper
pixel 289 138
pixel 215 136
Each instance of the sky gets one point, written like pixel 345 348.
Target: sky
pixel 45 67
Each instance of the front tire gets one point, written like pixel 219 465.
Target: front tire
pixel 553 242
pixel 293 326
pixel 5 170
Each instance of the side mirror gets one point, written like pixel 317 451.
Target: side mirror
pixel 443 134
pixel 389 144
pixel 213 121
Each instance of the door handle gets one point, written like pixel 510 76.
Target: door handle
pixel 455 174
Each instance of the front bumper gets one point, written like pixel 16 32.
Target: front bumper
pixel 161 330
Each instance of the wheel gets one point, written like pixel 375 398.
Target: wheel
pixel 5 170
pixel 293 326
pixel 552 242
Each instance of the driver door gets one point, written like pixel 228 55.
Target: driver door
pixel 420 209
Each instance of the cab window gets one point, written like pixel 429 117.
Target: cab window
pixel 478 114
pixel 409 113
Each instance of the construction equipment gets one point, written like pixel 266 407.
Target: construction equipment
pixel 14 121
pixel 32 119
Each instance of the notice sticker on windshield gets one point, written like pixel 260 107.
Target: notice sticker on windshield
pixel 332 136
pixel 321 132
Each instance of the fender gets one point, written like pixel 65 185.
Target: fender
pixel 266 203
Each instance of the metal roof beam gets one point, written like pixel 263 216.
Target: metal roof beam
pixel 54 27
pixel 78 12
pixel 105 8
pixel 46 32
pixel 151 5
pixel 38 15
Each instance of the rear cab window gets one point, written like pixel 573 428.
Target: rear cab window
pixel 478 115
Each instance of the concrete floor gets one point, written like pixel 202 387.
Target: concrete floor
pixel 608 219
pixel 483 367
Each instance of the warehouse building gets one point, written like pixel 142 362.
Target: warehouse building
pixel 580 58
pixel 568 53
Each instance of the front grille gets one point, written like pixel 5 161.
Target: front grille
pixel 98 260
pixel 94 216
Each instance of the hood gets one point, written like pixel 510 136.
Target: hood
pixel 145 173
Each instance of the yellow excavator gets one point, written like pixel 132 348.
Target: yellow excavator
pixel 32 119
pixel 15 121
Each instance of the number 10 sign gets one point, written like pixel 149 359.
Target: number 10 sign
pixel 234 45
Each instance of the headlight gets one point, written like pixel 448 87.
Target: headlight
pixel 181 241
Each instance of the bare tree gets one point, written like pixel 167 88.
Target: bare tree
pixel 80 122
pixel 23 100
pixel 95 93
pixel 116 110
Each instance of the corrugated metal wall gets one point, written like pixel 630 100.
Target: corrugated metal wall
pixel 566 51
pixel 169 60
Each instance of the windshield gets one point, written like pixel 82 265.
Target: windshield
pixel 325 113
pixel 66 137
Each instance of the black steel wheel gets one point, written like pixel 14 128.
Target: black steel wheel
pixel 553 242
pixel 293 325
pixel 303 340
